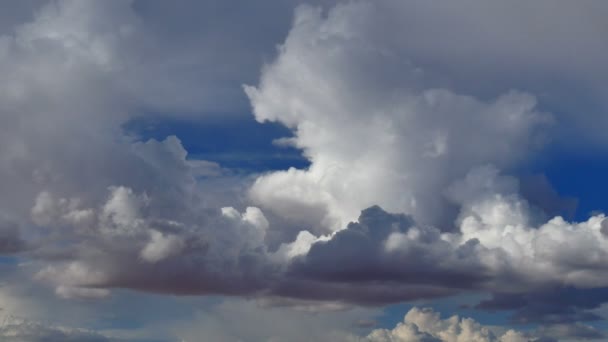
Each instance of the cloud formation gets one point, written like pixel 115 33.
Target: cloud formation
pixel 400 140
pixel 425 325
pixel 549 273
pixel 375 127
pixel 410 193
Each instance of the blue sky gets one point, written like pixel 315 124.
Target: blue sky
pixel 222 141
pixel 303 170
pixel 581 178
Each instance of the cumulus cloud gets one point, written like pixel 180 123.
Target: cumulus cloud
pixel 425 325
pixel 77 71
pixel 94 202
pixel 384 258
pixel 549 272
pixel 374 126
pixel 127 246
pixel 381 125
pixel 161 246
pixel 380 258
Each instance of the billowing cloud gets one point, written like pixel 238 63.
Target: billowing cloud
pixel 381 125
pixel 425 325
pixel 376 128
pixel 129 245
pixel 380 258
pixel 93 202
pixel 551 272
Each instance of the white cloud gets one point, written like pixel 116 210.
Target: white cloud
pixel 121 213
pixel 425 325
pixel 374 127
pixel 552 251
pixel 161 246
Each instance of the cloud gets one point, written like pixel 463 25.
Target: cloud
pixel 384 258
pixel 161 246
pixel 129 46
pixel 425 325
pixel 130 246
pixel 382 125
pixel 478 48
pixel 18 330
pixel 375 127
pixel 133 241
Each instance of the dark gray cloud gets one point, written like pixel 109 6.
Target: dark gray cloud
pixel 425 325
pixel 360 258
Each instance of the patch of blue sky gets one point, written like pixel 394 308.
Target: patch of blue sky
pixel 238 142
pixel 576 174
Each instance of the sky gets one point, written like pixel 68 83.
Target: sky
pixel 293 170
